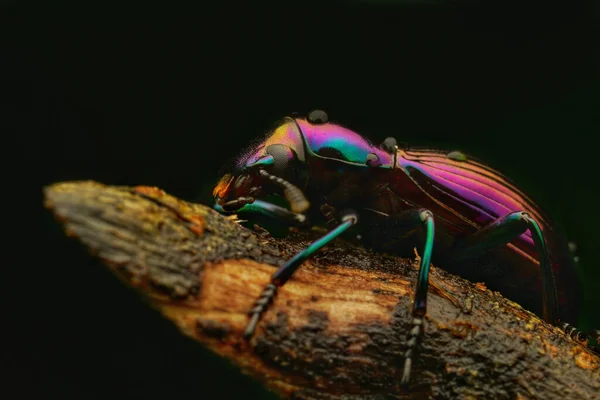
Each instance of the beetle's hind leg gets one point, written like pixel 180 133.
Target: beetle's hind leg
pixel 591 338
pixel 501 232
pixel 281 276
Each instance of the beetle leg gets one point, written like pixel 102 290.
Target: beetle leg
pixel 281 276
pixel 270 210
pixel 595 335
pixel 425 219
pixel 501 232
pixel 590 338
pixel 400 227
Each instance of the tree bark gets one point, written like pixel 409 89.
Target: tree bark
pixel 337 329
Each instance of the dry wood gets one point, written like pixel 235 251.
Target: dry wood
pixel 337 329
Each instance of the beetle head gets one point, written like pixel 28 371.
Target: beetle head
pixel 271 167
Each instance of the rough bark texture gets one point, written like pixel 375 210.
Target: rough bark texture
pixel 337 329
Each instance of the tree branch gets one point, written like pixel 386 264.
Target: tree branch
pixel 337 328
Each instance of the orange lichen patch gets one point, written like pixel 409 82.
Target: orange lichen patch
pixel 185 211
pixel 513 304
pixel 359 344
pixel 451 369
pixel 481 286
pixel 531 325
pixel 528 337
pixel 585 360
pixel 521 396
pixel 549 348
pixel 151 191
pixel 223 185
pixel 197 224
pixel 437 289
pixel 458 328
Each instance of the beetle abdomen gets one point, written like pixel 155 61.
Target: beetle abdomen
pixel 477 195
pixel 472 190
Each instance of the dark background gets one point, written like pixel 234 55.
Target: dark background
pixel 163 94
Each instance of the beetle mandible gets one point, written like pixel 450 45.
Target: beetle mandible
pixel 464 209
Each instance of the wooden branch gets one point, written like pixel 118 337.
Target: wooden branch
pixel 337 329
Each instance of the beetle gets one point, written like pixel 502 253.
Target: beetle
pixel 481 225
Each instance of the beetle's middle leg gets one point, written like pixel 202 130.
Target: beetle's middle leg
pixel 501 232
pixel 407 222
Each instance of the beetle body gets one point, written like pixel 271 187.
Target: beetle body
pixel 480 224
pixel 336 167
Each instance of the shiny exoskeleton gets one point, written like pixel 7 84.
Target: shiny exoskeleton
pixel 480 225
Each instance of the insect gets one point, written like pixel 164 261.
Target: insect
pixel 478 222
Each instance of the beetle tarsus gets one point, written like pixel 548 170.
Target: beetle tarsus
pixel 424 218
pixel 260 306
pixel 414 337
pixel 249 331
pixel 572 332
pixel 591 338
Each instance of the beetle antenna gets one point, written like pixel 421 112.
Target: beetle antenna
pixel 294 195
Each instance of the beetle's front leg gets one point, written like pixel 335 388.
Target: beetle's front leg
pixel 271 210
pixel 281 276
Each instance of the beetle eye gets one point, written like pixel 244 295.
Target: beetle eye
pixel 282 157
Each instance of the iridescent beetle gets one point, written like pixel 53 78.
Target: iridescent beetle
pixel 482 221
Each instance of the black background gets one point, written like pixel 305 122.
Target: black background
pixel 163 94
